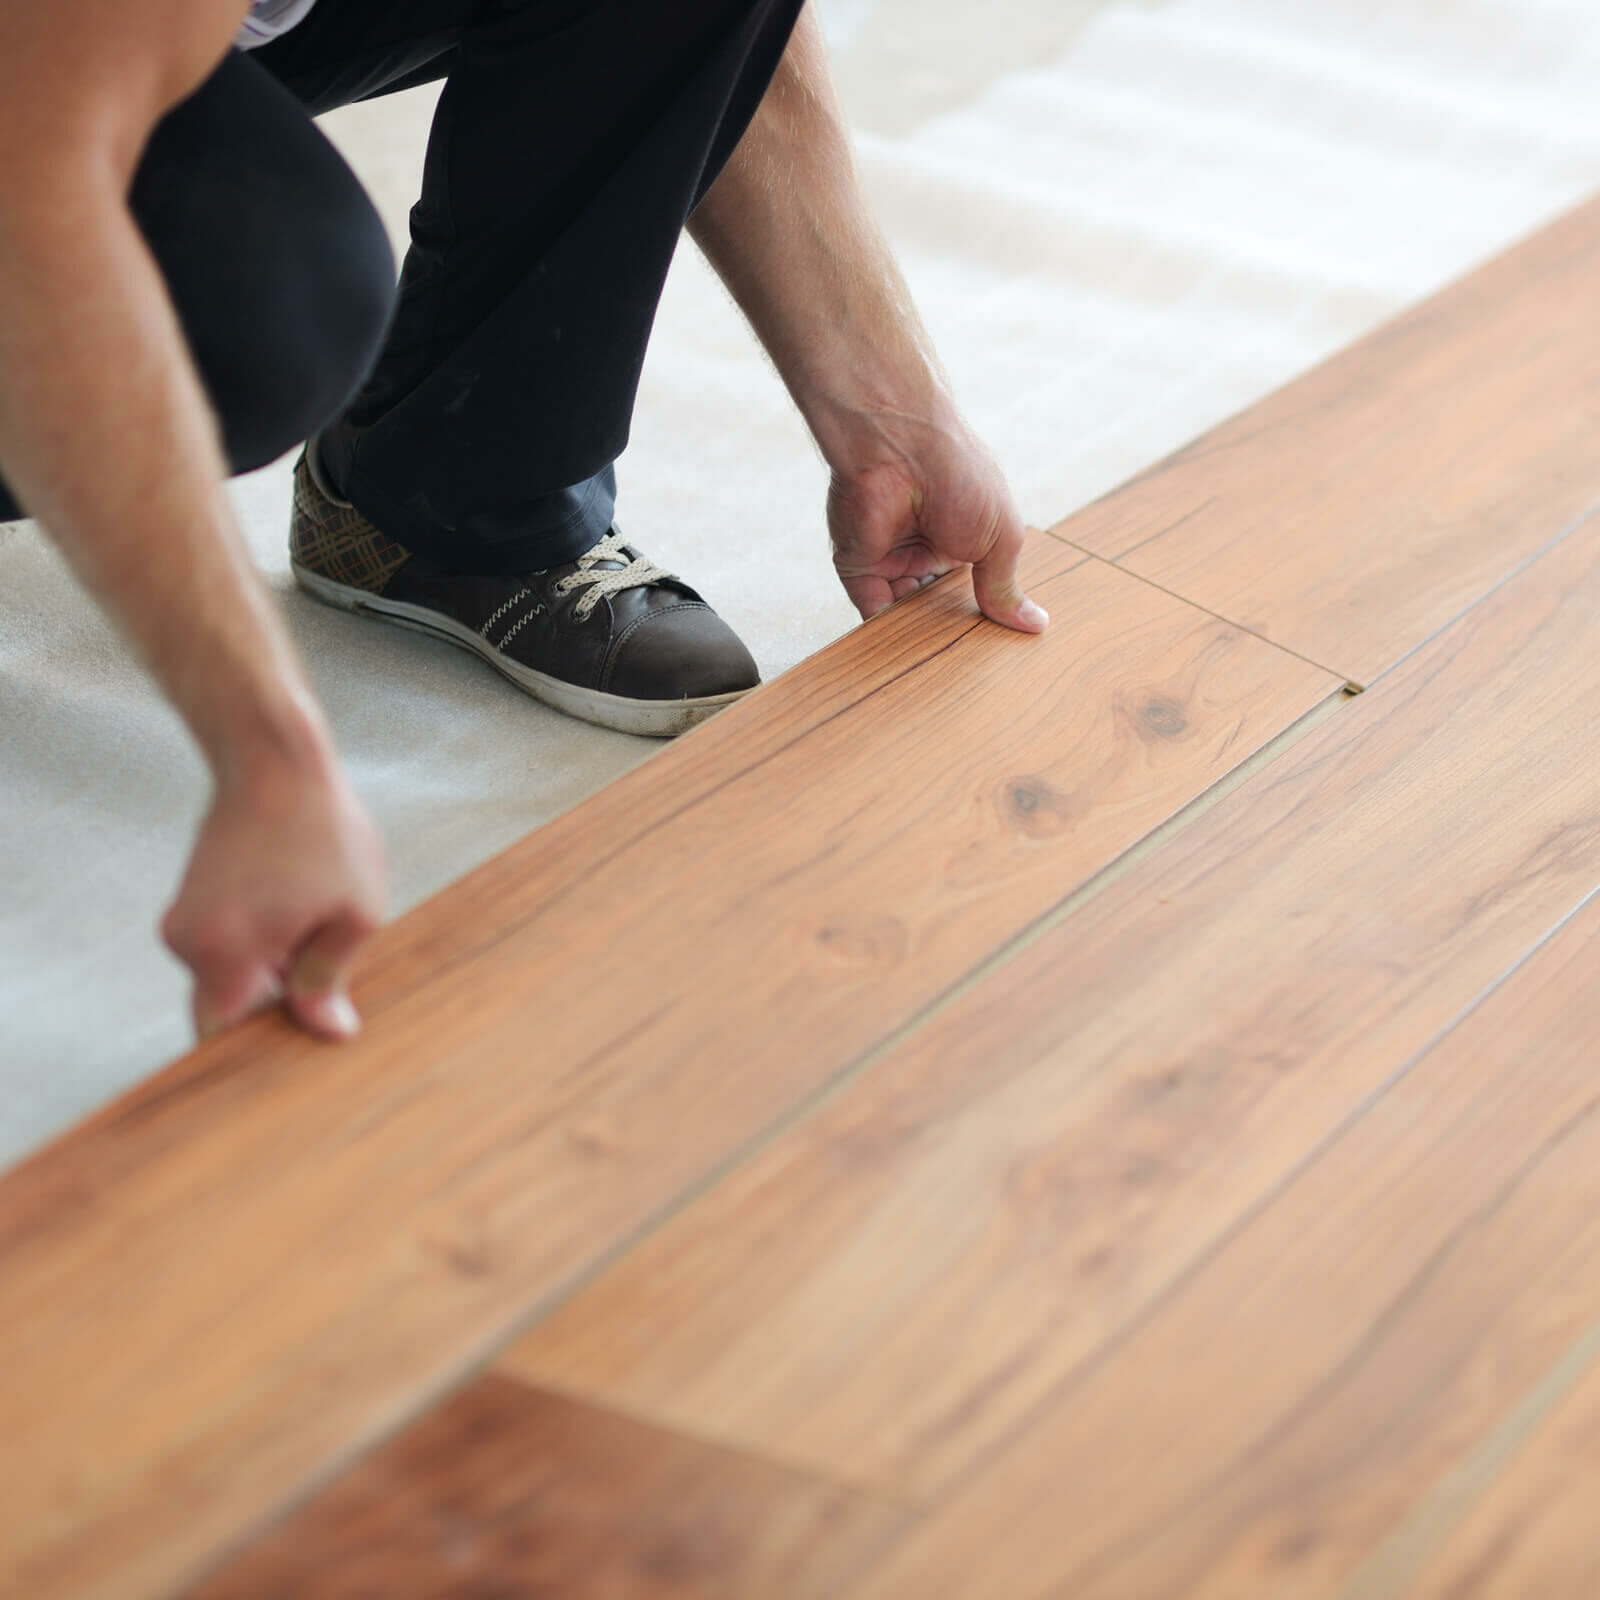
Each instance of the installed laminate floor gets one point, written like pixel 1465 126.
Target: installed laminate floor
pixel 905 1280
pixel 1106 1114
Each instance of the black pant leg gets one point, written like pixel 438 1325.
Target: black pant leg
pixel 572 141
pixel 275 261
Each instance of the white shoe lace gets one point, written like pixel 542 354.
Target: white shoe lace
pixel 631 572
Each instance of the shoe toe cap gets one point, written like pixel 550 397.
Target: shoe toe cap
pixel 680 652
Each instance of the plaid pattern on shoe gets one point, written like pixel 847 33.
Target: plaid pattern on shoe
pixel 610 637
pixel 332 538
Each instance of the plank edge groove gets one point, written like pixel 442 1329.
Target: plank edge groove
pixel 1351 686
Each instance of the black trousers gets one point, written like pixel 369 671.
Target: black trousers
pixel 476 416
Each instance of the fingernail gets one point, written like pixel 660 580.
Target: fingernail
pixel 1034 613
pixel 341 1015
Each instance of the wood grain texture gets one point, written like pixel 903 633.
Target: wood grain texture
pixel 898 1285
pixel 1264 1423
pixel 1407 475
pixel 247 1270
pixel 502 1491
pixel 1533 1534
pixel 1349 1349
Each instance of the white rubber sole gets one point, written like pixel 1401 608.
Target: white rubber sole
pixel 653 719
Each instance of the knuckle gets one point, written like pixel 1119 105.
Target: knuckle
pixel 216 941
pixel 207 947
pixel 279 928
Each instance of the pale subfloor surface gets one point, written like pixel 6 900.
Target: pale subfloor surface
pixel 1123 221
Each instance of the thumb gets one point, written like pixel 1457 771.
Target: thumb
pixel 999 594
pixel 316 994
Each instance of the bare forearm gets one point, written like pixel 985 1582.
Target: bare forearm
pixel 789 232
pixel 107 438
pixel 105 434
pixel 913 491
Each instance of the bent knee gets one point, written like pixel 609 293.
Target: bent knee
pixel 277 264
pixel 296 356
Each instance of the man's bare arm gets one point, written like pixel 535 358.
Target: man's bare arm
pixel 107 438
pixel 788 229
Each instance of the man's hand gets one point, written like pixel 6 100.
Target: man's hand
pixel 923 500
pixel 285 883
pixel 914 493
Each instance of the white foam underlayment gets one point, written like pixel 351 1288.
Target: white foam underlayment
pixel 1123 221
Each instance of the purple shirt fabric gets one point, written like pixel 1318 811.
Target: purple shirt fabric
pixel 269 18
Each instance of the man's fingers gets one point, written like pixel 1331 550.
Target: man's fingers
pixel 228 992
pixel 315 994
pixel 284 884
pixel 230 977
pixel 869 594
pixel 873 593
pixel 901 588
pixel 999 595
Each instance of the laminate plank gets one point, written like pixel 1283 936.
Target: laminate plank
pixel 1533 1534
pixel 1279 1421
pixel 897 1286
pixel 503 1491
pixel 242 1274
pixel 1407 475
pixel 554 867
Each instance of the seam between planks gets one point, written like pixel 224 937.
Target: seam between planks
pixel 1389 1568
pixel 1353 687
pixel 1350 685
pixel 732 1448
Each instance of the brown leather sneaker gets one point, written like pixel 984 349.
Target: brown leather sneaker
pixel 609 637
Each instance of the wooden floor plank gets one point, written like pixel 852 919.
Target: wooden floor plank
pixel 897 1286
pixel 272 1254
pixel 503 1491
pixel 1281 1418
pixel 1409 474
pixel 1534 1532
